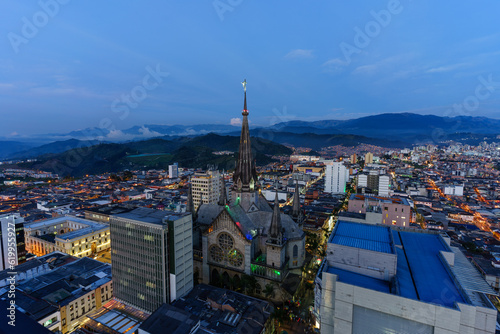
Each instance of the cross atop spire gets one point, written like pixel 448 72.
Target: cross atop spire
pixel 245 110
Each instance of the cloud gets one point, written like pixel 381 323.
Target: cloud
pixel 148 133
pixel 445 68
pixel 299 54
pixel 365 69
pixel 236 121
pixel 14 133
pixel 335 65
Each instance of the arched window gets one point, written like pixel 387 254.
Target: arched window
pixel 295 251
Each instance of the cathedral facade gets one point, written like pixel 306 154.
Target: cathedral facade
pixel 246 236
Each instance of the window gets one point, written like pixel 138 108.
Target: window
pixel 72 316
pixel 295 251
pixel 81 301
pixel 235 258
pixel 226 242
pixel 64 322
pixel 216 253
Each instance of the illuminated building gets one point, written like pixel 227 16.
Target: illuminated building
pixel 206 187
pixel 246 236
pixel 71 235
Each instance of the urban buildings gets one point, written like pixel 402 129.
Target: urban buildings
pixel 61 297
pixel 392 210
pixel 206 187
pixel 377 280
pixel 141 247
pixel 12 244
pixel 67 234
pixel 208 309
pixel 336 177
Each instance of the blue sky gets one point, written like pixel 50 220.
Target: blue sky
pixel 74 68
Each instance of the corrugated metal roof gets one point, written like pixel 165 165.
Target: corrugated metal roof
pixel 370 237
pixel 430 276
pixel 468 276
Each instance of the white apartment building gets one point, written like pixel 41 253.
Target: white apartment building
pixel 206 187
pixel 336 177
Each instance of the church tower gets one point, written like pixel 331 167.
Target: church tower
pixel 275 243
pixel 245 174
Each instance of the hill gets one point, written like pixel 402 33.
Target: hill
pixel 154 153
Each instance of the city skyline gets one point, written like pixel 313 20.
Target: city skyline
pixel 66 66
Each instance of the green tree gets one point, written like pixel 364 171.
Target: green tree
pixel 269 291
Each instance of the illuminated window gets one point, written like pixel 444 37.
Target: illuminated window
pixel 235 258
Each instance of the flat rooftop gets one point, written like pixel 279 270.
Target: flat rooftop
pixel 151 216
pixel 422 272
pixel 370 237
pixel 393 200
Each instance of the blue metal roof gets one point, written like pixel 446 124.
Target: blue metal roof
pixel 370 237
pixel 360 280
pixel 431 279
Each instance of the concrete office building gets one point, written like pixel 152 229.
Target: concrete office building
pixel 206 187
pixel 140 250
pixel 381 280
pixel 12 252
pixel 336 177
pixel 180 249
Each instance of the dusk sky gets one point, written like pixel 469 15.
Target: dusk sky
pixel 72 68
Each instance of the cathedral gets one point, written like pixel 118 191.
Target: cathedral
pixel 246 236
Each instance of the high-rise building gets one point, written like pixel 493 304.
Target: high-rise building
pixel 180 253
pixel 12 251
pixel 336 176
pixel 369 158
pixel 173 171
pixel 384 182
pixel 206 187
pixel 141 248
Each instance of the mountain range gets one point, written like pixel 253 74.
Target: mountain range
pixel 387 130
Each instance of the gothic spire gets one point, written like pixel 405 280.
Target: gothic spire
pixel 222 196
pixel 275 228
pixel 245 175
